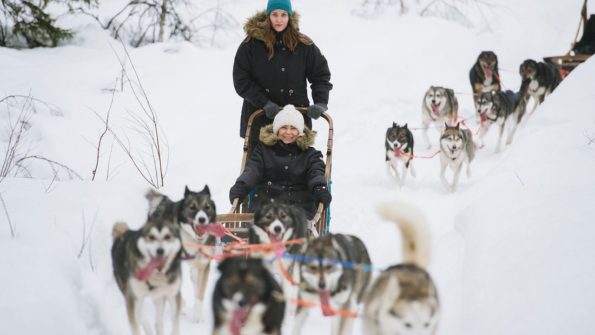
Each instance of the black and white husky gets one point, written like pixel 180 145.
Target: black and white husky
pixel 440 105
pixel 195 214
pixel 497 108
pixel 538 80
pixel 398 145
pixel 274 222
pixel 331 275
pixel 146 264
pixel 403 299
pixel 457 148
pixel 484 75
pixel 247 300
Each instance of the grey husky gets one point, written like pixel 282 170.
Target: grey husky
pixel 403 300
pixel 497 108
pixel 457 148
pixel 195 214
pixel 146 264
pixel 330 276
pixel 276 221
pixel 398 145
pixel 440 105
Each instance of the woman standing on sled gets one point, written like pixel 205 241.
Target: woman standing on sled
pixel 272 65
pixel 283 165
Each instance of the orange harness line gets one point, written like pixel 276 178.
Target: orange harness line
pixel 415 156
pixel 338 311
pixel 251 248
pixel 285 273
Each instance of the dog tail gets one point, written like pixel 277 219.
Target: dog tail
pixel 414 231
pixel 155 198
pixel 119 229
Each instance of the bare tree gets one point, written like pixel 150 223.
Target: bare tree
pixel 13 227
pixel 470 13
pixel 86 237
pixel 15 132
pixel 149 156
pixel 16 157
pixel 141 22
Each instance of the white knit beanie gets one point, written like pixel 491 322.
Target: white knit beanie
pixel 289 116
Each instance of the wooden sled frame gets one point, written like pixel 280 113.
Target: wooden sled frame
pixel 239 217
pixel 569 61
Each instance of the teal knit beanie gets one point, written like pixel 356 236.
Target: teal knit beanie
pixel 279 4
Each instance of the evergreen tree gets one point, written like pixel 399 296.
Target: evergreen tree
pixel 26 23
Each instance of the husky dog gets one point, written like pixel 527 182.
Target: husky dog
pixel 403 300
pixel 484 74
pixel 399 148
pixel 247 300
pixel 457 147
pixel 330 276
pixel 440 105
pixel 195 214
pixel 146 264
pixel 538 80
pixel 496 108
pixel 276 221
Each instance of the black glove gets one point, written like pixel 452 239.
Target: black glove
pixel 314 111
pixel 238 191
pixel 271 109
pixel 321 194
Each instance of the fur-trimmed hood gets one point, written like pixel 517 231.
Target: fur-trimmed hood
pixel 254 26
pixel 303 142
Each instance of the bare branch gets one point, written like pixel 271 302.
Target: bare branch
pixel 13 227
pixel 54 110
pixel 105 130
pixel 52 164
pixel 86 236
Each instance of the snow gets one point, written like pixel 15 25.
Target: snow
pixel 512 247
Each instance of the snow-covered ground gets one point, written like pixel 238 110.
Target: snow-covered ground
pixel 513 247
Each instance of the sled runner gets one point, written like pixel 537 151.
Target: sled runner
pixel 240 215
pixel 581 50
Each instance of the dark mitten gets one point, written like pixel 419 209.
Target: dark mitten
pixel 238 191
pixel 271 109
pixel 321 194
pixel 314 111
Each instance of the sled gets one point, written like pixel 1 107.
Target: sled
pixel 577 53
pixel 240 216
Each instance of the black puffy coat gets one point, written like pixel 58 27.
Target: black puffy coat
pixel 281 79
pixel 285 171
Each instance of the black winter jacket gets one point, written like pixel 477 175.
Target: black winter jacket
pixel 281 79
pixel 285 171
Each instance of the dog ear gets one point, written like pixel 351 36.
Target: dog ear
pixel 206 190
pixel 405 126
pixel 186 190
pixel 445 125
pixel 458 123
pixel 394 124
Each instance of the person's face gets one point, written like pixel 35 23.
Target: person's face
pixel 279 19
pixel 288 134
